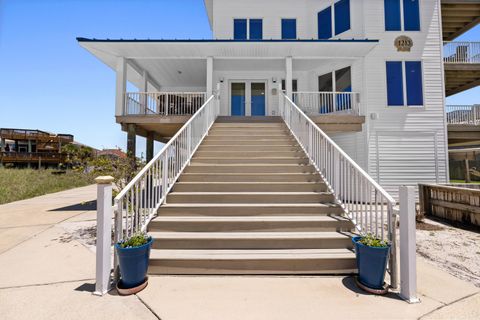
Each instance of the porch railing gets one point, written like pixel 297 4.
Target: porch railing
pixel 163 103
pixel 318 103
pixel 139 201
pixel 463 114
pixel 461 52
pixel 365 202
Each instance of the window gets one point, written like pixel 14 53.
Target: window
pixel 294 85
pixel 336 81
pixel 256 29
pixel 240 29
pixel 289 29
pixel 410 73
pixel 325 24
pixel 340 16
pixel 393 16
pixel 251 27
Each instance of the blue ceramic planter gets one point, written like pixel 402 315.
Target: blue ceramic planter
pixel 371 264
pixel 133 264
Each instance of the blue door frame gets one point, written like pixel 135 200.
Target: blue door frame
pixel 248 98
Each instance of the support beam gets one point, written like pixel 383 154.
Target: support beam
pixel 149 146
pixel 289 77
pixel 131 140
pixel 121 85
pixel 144 89
pixel 467 171
pixel 209 77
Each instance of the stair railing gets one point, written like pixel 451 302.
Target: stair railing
pixel 364 201
pixel 138 202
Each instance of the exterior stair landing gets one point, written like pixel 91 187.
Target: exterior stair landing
pixel 250 203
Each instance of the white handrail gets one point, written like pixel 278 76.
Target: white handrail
pixel 139 201
pixel 461 52
pixel 318 103
pixel 163 103
pixel 364 201
pixel 463 114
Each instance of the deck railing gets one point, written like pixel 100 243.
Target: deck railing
pixel 163 103
pixel 319 103
pixel 461 52
pixel 463 114
pixel 365 202
pixel 139 201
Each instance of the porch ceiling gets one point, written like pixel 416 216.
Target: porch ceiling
pixel 174 63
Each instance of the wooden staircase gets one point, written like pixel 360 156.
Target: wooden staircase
pixel 250 203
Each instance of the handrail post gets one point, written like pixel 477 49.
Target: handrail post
pixel 393 263
pixel 408 262
pixel 104 235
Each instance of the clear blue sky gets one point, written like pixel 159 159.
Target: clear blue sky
pixel 47 81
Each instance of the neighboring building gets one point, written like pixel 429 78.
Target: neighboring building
pixel 112 153
pixel 24 147
pixel 368 72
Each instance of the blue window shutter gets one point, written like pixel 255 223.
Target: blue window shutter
pixel 392 15
pixel 325 23
pixel 411 15
pixel 240 29
pixel 394 83
pixel 413 77
pixel 256 29
pixel 289 29
pixel 342 16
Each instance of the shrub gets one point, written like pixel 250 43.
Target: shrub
pixel 371 241
pixel 137 240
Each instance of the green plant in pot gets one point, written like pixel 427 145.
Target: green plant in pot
pixel 372 257
pixel 133 258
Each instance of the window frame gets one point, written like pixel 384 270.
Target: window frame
pixel 247 36
pixel 404 84
pixel 402 18
pixel 334 20
pixel 246 28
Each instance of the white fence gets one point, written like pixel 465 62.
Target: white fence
pixel 163 103
pixel 139 201
pixel 366 203
pixel 463 114
pixel 318 103
pixel 461 52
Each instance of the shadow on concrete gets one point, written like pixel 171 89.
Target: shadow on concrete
pixel 86 287
pixel 84 206
pixel 349 283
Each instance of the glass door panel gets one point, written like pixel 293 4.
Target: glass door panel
pixel 238 93
pixel 258 98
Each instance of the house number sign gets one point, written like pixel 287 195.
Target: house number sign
pixel 403 44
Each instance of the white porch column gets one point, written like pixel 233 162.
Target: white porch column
pixel 289 77
pixel 209 76
pixel 121 86
pixel 144 89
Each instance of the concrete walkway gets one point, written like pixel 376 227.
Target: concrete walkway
pixel 47 272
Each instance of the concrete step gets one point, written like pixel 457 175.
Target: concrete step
pixel 248 154
pixel 249 187
pixel 251 240
pixel 250 197
pixel 248 209
pixel 249 168
pixel 250 223
pixel 270 132
pixel 250 177
pixel 263 142
pixel 229 262
pixel 235 148
pixel 249 125
pixel 252 160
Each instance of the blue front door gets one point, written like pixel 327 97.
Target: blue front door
pixel 258 98
pixel 238 98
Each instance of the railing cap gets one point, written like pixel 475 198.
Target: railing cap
pixel 104 180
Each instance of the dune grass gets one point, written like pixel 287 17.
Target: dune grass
pixel 19 184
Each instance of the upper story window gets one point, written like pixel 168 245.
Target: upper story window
pixel 289 29
pixel 340 15
pixel 251 27
pixel 406 74
pixel 393 15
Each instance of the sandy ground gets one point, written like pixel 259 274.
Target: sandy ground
pixel 454 250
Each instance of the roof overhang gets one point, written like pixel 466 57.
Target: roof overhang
pixel 175 58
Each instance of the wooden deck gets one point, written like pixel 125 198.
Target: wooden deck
pixel 32 157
